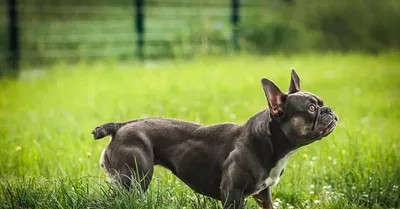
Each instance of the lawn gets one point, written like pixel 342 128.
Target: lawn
pixel 50 160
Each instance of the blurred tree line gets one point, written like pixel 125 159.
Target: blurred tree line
pixel 337 25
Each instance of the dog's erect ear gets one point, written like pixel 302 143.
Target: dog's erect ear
pixel 294 83
pixel 274 96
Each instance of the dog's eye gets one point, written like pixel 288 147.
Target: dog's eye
pixel 312 108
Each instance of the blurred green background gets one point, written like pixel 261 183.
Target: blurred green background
pixel 76 30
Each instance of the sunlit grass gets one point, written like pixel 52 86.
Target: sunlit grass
pixel 49 159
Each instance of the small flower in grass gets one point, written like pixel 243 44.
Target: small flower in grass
pixel 311 192
pixel 18 148
pixel 289 206
pixel 316 201
pixel 88 154
pixel 312 186
pixel 327 187
pixel 305 156
pixel 277 202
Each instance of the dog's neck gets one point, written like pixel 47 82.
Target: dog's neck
pixel 266 135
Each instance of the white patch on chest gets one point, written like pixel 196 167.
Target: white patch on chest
pixel 274 174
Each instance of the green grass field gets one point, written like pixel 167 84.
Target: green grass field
pixel 50 160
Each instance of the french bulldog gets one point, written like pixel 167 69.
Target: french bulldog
pixel 226 161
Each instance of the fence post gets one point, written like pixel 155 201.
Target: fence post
pixel 13 36
pixel 235 24
pixel 140 28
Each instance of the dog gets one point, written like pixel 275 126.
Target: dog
pixel 227 162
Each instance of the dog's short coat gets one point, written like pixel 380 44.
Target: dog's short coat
pixel 225 161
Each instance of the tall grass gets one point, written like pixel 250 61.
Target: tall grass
pixel 49 159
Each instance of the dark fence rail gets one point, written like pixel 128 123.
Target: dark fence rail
pixel 40 33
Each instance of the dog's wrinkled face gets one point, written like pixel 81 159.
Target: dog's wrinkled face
pixel 306 118
pixel 302 116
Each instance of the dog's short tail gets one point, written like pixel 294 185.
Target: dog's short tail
pixel 106 129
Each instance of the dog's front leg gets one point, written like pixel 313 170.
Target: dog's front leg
pixel 232 199
pixel 264 199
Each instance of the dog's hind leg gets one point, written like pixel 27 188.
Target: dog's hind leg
pixel 131 159
pixel 136 170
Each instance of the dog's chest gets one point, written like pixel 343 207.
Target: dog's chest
pixel 274 174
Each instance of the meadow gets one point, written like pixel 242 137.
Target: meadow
pixel 50 160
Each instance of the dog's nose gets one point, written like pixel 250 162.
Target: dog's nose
pixel 326 110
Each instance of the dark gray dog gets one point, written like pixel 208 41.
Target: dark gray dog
pixel 225 161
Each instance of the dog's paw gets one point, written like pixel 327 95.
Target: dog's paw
pixel 99 132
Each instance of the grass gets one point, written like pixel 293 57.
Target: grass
pixel 49 159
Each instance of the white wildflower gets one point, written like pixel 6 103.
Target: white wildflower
pixel 289 206
pixel 327 187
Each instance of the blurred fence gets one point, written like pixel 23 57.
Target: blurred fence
pixel 40 32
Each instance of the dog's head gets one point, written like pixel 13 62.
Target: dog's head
pixel 302 116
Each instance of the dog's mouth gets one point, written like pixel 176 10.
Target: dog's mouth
pixel 329 128
pixel 331 121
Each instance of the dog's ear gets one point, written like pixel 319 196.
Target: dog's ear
pixel 275 96
pixel 294 83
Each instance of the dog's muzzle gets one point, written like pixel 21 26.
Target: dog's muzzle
pixel 328 121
